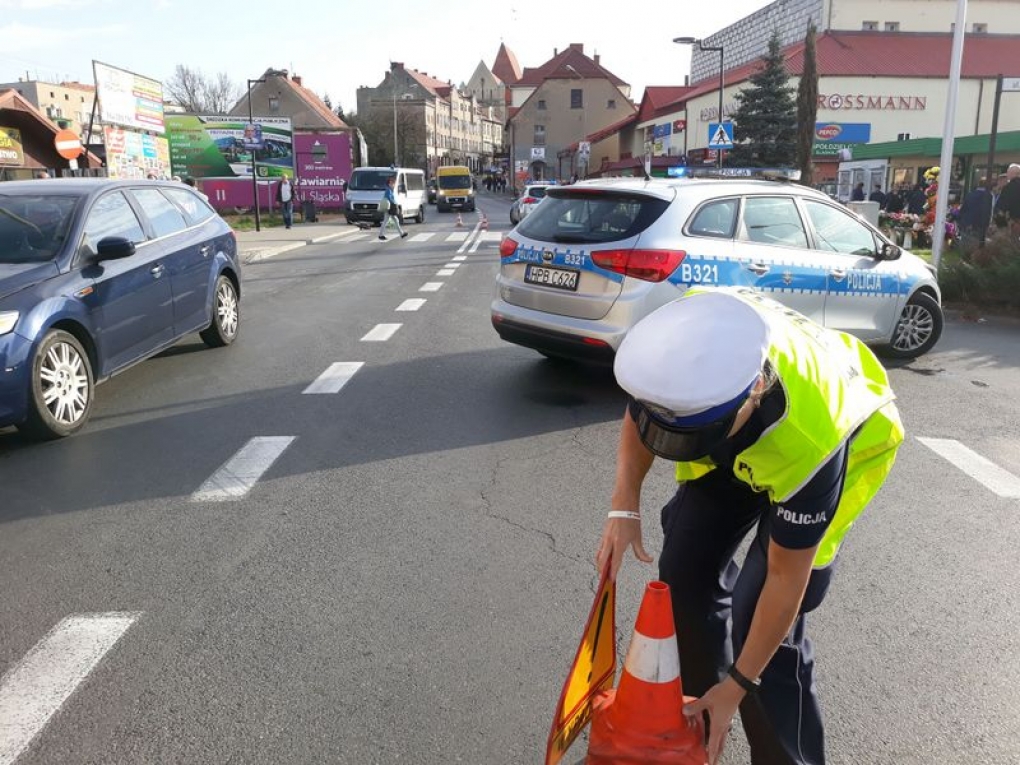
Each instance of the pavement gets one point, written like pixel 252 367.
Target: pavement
pixel 259 245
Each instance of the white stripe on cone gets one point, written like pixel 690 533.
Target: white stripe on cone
pixel 653 660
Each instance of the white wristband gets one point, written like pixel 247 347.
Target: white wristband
pixel 624 514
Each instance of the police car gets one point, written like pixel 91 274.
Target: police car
pixel 597 256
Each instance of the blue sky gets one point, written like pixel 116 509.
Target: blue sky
pixel 339 45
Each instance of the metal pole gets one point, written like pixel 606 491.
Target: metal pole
pixel 722 84
pixel 995 129
pixel 395 162
pixel 948 135
pixel 254 175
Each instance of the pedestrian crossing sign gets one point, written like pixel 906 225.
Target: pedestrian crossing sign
pixel 720 135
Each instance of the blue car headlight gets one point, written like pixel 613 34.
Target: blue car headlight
pixel 7 321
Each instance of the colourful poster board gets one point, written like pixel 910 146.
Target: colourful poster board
pixel 11 152
pixel 132 155
pixel 214 147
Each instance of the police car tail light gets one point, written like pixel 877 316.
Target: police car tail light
pixel 647 265
pixel 507 247
pixel 528 201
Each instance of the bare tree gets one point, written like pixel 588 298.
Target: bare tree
pixel 807 108
pixel 200 94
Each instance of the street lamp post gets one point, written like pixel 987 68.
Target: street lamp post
pixel 254 176
pixel 584 124
pixel 722 83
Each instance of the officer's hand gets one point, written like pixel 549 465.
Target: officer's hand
pixel 617 535
pixel 720 704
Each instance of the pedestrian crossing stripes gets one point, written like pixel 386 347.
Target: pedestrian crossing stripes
pixel 33 691
pixel 982 470
pixel 242 471
pixel 457 236
pixel 424 237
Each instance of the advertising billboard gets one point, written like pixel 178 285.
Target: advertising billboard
pixel 128 99
pixel 11 152
pixel 216 146
pixel 323 167
pixel 132 155
pixel 830 137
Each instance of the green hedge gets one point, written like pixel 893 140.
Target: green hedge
pixel 986 276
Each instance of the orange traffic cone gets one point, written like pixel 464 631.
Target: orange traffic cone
pixel 641 721
pixel 485 222
pixel 460 221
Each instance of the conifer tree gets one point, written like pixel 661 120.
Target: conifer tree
pixel 807 108
pixel 765 122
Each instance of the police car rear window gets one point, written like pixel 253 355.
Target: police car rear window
pixel 591 217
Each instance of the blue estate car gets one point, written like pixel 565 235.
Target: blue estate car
pixel 97 275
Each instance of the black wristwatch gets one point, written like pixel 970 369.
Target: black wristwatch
pixel 750 686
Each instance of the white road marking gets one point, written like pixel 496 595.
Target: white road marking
pixel 467 241
pixel 459 258
pixel 457 236
pixel 982 470
pixel 335 377
pixel 445 272
pixel 359 238
pixel 452 265
pixel 327 237
pixel 46 677
pixel 423 237
pixel 430 287
pixel 236 478
pixel 380 333
pixel 411 305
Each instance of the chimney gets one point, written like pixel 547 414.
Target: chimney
pixel 297 79
pixel 579 47
pixel 556 52
pixel 596 59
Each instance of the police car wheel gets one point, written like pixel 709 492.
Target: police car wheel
pixel 918 329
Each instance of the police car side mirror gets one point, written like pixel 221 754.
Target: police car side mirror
pixel 889 252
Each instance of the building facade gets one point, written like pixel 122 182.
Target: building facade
pixel 66 104
pixel 556 107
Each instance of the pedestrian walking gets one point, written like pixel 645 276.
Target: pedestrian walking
pixel 774 422
pixel 285 195
pixel 392 212
pixel 976 212
pixel 1008 204
pixel 877 196
pixel 857 195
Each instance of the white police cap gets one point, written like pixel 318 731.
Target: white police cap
pixel 696 357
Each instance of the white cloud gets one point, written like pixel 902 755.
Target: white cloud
pixel 22 37
pixel 37 5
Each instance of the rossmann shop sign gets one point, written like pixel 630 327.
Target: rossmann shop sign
pixel 830 137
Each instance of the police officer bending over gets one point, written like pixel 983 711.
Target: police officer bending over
pixel 774 422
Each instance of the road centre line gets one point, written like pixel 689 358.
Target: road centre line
pixel 467 241
pixel 459 258
pixel 242 471
pixel 982 470
pixel 445 272
pixel 336 376
pixel 452 265
pixel 413 304
pixel 38 685
pixel 486 236
pixel 380 333
pixel 430 287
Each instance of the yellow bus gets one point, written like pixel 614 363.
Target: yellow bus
pixel 455 188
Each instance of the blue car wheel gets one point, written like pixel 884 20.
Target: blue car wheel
pixel 62 388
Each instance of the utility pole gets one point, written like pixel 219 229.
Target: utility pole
pixel 254 175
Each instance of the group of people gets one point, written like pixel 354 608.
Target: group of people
pixel 909 199
pixel 494 182
pixel 991 205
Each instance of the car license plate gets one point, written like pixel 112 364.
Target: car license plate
pixel 560 278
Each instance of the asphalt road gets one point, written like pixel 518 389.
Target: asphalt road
pixel 407 578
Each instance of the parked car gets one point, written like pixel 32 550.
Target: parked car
pixel 97 275
pixel 530 196
pixel 595 257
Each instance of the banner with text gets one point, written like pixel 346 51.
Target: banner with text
pixel 128 99
pixel 214 147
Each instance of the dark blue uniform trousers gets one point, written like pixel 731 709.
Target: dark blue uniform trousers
pixel 703 526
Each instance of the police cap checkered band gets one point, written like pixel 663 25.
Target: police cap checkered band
pixel 695 358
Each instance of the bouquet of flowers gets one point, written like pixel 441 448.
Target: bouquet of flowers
pixel 931 191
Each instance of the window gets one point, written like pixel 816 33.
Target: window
pixel 539 135
pixel 773 220
pixel 165 218
pixel 274 104
pixel 980 29
pixel 576 98
pixel 611 103
pixel 892 26
pixel 67 97
pixel 838 232
pixel 195 208
pixel 111 216
pixel 870 26
pixel 717 218
pixel 541 104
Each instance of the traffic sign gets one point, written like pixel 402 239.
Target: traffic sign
pixel 68 144
pixel 1010 84
pixel 720 135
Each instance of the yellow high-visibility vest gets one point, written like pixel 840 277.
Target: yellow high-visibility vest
pixel 835 390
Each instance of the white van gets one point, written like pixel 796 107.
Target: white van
pixel 368 184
